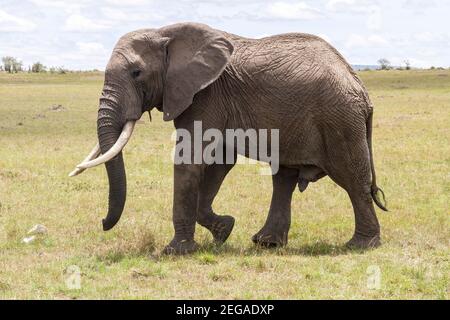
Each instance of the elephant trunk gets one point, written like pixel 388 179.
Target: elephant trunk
pixel 114 129
pixel 109 128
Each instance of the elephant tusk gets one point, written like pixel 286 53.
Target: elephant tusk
pixel 92 155
pixel 115 149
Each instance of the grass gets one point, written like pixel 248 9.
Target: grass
pixel 41 142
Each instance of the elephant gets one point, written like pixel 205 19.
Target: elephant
pixel 296 83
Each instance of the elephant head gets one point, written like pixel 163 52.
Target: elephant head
pixel 162 68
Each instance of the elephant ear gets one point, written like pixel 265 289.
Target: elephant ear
pixel 197 56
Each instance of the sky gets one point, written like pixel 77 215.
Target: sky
pixel 80 34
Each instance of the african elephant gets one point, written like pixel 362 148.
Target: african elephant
pixel 296 83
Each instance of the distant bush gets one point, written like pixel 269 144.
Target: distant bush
pixel 407 65
pixel 384 63
pixel 11 64
pixel 38 67
pixel 59 70
pixel 437 68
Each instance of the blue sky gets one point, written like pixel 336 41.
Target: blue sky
pixel 81 34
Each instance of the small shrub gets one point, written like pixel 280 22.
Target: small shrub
pixel 38 67
pixel 407 65
pixel 59 70
pixel 384 63
pixel 11 64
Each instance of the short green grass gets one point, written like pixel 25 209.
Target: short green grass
pixel 40 146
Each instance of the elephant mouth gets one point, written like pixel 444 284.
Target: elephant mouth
pixel 145 105
pixel 147 102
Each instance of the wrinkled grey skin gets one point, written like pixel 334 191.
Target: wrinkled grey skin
pixel 296 83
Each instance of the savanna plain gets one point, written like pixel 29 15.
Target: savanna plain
pixel 48 124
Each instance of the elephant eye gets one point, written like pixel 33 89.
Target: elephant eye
pixel 136 73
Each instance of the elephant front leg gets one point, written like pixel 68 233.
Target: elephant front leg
pixel 187 179
pixel 275 230
pixel 219 225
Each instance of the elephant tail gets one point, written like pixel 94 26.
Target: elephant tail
pixel 374 190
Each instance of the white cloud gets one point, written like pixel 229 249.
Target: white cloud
pixel 294 11
pixel 427 36
pixel 359 41
pixel 65 32
pixel 251 10
pixel 374 20
pixel 84 55
pixel 336 5
pixel 70 7
pixel 91 48
pixel 427 52
pixel 115 14
pixel 367 7
pixel 10 23
pixel 421 6
pixel 128 2
pixel 350 5
pixel 77 22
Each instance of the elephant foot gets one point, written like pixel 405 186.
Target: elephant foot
pixel 180 247
pixel 220 228
pixel 270 239
pixel 364 242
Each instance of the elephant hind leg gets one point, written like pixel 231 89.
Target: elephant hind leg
pixel 219 225
pixel 351 169
pixel 367 227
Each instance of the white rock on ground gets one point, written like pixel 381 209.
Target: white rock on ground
pixel 28 240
